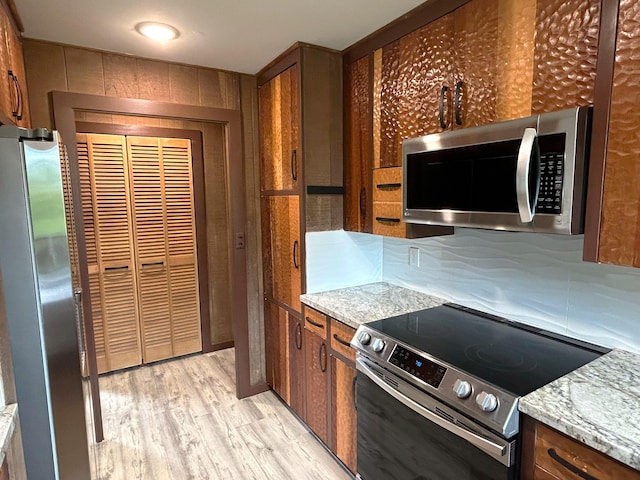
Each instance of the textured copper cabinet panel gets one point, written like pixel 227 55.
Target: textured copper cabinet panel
pixel 475 57
pixel 620 228
pixel 414 68
pixel 566 48
pixel 358 146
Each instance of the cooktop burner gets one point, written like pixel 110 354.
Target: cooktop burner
pixel 514 357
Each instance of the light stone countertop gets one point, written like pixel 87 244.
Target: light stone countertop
pixel 7 425
pixel 365 303
pixel 597 404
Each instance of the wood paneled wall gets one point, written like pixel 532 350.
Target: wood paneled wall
pixel 53 66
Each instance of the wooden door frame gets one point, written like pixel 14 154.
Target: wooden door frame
pixel 65 105
pixel 197 174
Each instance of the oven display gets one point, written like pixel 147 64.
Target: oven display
pixel 419 367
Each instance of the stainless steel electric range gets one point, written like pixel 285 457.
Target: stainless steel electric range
pixel 438 391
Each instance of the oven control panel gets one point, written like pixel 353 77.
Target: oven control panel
pixel 418 366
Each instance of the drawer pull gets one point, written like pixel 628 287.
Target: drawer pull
pixel 339 340
pixel 153 264
pixel 315 324
pixel 388 186
pixel 569 466
pixel 387 220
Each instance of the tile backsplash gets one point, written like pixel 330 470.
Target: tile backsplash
pixel 537 279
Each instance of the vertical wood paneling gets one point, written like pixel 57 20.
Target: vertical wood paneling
pixel 46 71
pixel 183 85
pixel 153 80
pixel 84 71
pixel 120 76
pixel 132 77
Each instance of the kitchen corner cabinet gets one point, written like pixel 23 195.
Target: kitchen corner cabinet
pixel 300 123
pixel 550 455
pixel 13 85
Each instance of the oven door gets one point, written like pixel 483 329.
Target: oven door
pixel 405 434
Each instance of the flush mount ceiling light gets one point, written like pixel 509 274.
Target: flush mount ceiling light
pixel 160 32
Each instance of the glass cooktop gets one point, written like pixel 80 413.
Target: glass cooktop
pixel 512 356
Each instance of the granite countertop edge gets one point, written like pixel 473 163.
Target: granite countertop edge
pixel 8 415
pixel 360 304
pixel 598 405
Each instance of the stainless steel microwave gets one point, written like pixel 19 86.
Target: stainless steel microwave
pixel 524 175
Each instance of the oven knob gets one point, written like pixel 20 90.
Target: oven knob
pixel 462 388
pixel 365 338
pixel 487 401
pixel 377 345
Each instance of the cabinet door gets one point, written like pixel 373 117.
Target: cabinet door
pixel 412 78
pixel 277 349
pixel 279 121
pixel 19 80
pixel 105 182
pixel 296 366
pixel 317 384
pixel 618 240
pixel 286 254
pixel 343 391
pixel 358 197
pixel 566 50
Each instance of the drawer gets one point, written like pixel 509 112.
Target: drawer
pixel 387 220
pixel 558 454
pixel 341 333
pixel 387 184
pixel 315 321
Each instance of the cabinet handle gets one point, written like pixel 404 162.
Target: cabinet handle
pixel 569 466
pixel 123 267
pixel 295 255
pixel 388 220
pixel 388 186
pixel 322 357
pixel 294 165
pixel 315 324
pixel 299 336
pixel 14 94
pixel 363 203
pixel 20 103
pixel 153 264
pixel 458 102
pixel 339 340
pixel 354 393
pixel 443 93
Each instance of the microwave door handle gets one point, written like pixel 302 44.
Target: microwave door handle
pixel 523 170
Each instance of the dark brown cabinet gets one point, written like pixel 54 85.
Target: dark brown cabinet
pixel 551 455
pixel 296 365
pixel 317 383
pixel 343 414
pixel 277 334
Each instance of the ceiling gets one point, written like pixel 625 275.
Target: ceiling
pixel 238 35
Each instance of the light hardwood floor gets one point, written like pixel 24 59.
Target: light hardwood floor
pixel 180 420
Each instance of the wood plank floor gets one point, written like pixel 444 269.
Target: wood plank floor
pixel 181 420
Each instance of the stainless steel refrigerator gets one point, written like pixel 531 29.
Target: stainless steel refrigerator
pixel 42 316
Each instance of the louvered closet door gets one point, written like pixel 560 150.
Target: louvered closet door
pixel 104 184
pixel 165 246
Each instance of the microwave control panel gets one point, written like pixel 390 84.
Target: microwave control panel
pixel 551 176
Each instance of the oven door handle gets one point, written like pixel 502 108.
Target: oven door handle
pixel 495 450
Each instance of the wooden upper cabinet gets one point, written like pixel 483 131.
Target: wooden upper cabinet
pixel 13 83
pixel 279 135
pixel 283 253
pixel 613 227
pixel 358 131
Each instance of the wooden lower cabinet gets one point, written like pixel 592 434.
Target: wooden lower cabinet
pixel 551 455
pixel 277 350
pixel 296 366
pixel 317 384
pixel 343 399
